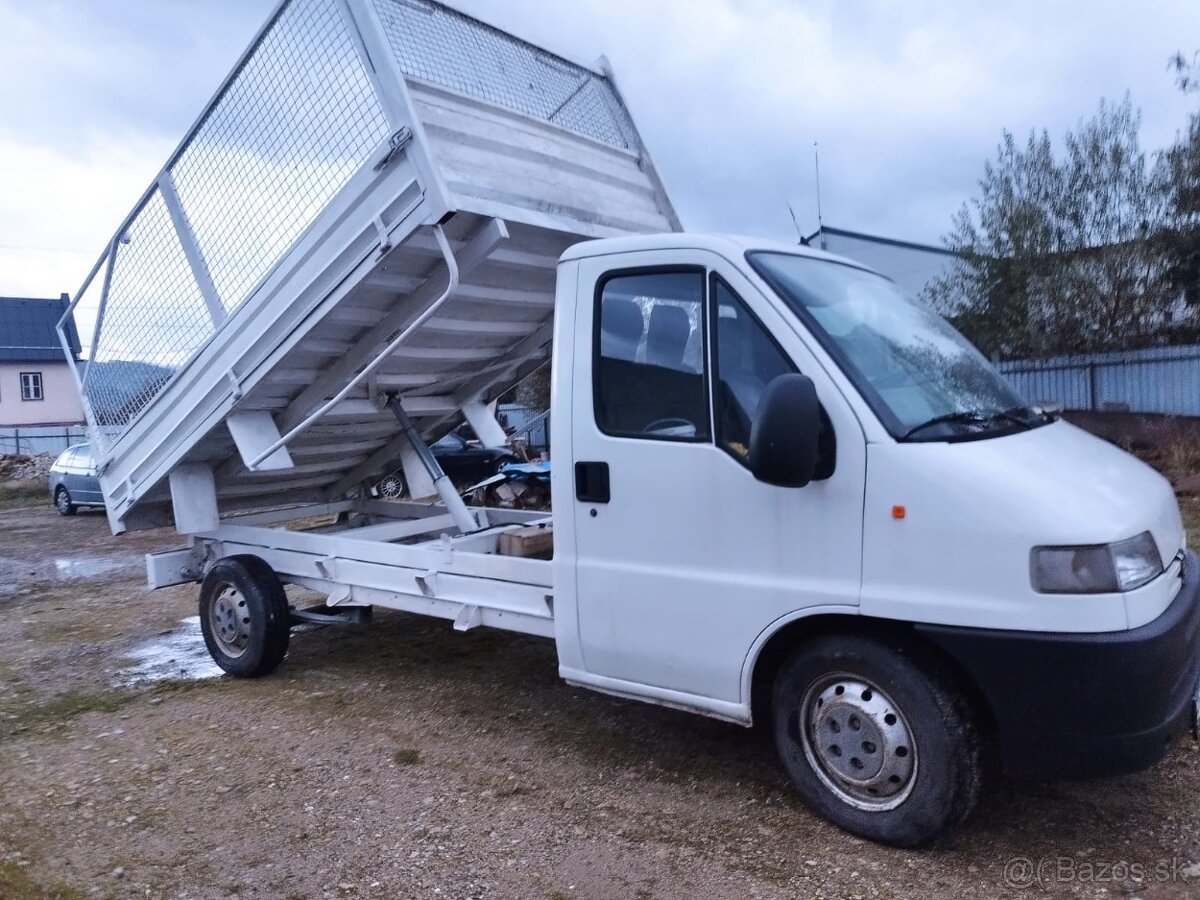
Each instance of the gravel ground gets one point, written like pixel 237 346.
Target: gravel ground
pixel 402 759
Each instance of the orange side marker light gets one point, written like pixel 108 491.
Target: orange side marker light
pixel 899 512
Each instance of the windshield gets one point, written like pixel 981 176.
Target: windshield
pixel 923 378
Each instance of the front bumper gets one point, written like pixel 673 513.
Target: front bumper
pixel 1081 705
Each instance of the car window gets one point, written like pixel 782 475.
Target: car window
pixel 650 372
pixel 747 360
pixel 450 442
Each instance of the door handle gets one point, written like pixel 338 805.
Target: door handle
pixel 591 482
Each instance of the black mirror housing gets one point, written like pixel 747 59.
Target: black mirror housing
pixel 784 440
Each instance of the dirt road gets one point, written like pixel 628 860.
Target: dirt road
pixel 402 759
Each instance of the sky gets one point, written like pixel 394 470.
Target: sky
pixel 906 98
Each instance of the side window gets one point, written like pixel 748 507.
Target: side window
pixel 747 360
pixel 650 378
pixel 31 385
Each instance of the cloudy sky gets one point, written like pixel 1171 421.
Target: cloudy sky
pixel 906 97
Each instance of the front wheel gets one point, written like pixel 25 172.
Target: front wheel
pixel 244 617
pixel 877 739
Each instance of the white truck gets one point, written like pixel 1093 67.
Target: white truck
pixel 783 492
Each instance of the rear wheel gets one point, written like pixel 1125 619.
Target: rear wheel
pixel 63 503
pixel 244 617
pixel 877 739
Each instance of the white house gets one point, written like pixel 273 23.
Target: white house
pixel 36 385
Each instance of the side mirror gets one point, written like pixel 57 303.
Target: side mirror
pixel 784 448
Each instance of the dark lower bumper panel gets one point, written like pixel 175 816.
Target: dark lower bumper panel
pixel 1082 705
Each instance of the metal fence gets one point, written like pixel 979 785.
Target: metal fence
pixel 531 424
pixel 40 439
pixel 1163 380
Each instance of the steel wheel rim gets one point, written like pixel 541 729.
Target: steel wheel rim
pixel 858 742
pixel 229 621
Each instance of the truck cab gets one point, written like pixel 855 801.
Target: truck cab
pixel 795 493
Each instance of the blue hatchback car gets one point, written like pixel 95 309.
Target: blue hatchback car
pixel 74 482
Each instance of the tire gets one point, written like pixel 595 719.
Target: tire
pixel 63 502
pixel 244 617
pixel 877 739
pixel 501 463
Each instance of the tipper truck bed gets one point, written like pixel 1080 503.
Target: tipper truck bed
pixel 781 489
pixel 374 175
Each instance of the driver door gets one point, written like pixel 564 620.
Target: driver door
pixel 683 558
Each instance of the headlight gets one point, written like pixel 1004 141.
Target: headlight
pixel 1102 569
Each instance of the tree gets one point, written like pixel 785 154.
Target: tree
pixel 1181 165
pixel 1056 253
pixel 533 391
pixel 1187 71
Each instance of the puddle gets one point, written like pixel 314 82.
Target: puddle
pixel 66 569
pixel 177 654
pixel 15 573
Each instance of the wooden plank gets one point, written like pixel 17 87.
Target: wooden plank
pixel 534 542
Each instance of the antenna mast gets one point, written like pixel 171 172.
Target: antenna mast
pixel 820 220
pixel 796 222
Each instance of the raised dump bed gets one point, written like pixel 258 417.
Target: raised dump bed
pixel 372 206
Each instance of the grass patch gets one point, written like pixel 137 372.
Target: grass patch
pixel 60 710
pixel 409 756
pixel 69 706
pixel 17 884
pixel 168 686
pixel 18 494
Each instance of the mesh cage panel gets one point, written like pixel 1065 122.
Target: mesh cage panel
pixel 154 320
pixel 447 48
pixel 297 122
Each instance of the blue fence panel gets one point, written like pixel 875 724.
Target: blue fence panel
pixel 519 418
pixel 30 439
pixel 1164 380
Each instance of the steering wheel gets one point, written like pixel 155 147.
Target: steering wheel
pixel 660 425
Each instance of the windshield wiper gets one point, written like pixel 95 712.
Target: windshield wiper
pixel 1030 416
pixel 974 417
pixel 961 417
pixel 1023 416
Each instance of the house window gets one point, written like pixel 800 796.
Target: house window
pixel 31 386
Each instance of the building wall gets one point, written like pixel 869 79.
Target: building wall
pixel 910 267
pixel 60 404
